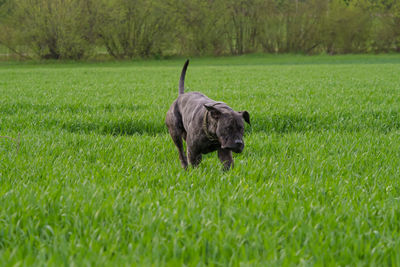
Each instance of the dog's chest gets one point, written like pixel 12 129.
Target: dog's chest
pixel 209 146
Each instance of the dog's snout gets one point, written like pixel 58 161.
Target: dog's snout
pixel 233 144
pixel 238 142
pixel 236 145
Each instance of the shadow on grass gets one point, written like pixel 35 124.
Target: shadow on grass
pixel 77 108
pixel 120 127
pixel 382 122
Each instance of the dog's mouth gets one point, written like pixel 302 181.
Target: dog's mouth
pixel 237 148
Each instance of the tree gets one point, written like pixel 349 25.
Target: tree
pixel 130 28
pixel 57 29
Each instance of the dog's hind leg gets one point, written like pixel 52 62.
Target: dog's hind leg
pixel 177 138
pixel 177 132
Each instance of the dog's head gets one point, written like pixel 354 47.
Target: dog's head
pixel 228 126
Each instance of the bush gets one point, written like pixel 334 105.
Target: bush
pixel 53 29
pixel 348 27
pixel 132 28
pixel 72 29
pixel 386 33
pixel 292 26
pixel 199 27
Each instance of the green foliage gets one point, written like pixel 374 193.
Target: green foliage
pixel 348 27
pixel 199 27
pixel 53 29
pixel 97 179
pixel 240 25
pixel 58 29
pixel 386 34
pixel 292 26
pixel 73 29
pixel 132 28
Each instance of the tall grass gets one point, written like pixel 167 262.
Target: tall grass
pixel 97 180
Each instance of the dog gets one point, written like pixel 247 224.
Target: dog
pixel 205 125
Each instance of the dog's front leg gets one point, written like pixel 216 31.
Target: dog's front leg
pixel 225 156
pixel 193 157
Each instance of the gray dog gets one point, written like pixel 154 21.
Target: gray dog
pixel 205 125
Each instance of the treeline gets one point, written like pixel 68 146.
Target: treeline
pixel 75 29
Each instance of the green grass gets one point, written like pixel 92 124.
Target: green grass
pixel 97 180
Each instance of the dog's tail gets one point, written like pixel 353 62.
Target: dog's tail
pixel 182 80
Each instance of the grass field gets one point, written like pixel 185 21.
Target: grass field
pixel 96 179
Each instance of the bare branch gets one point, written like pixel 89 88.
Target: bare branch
pixel 15 51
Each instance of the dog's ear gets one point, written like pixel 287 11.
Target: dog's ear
pixel 246 116
pixel 215 113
